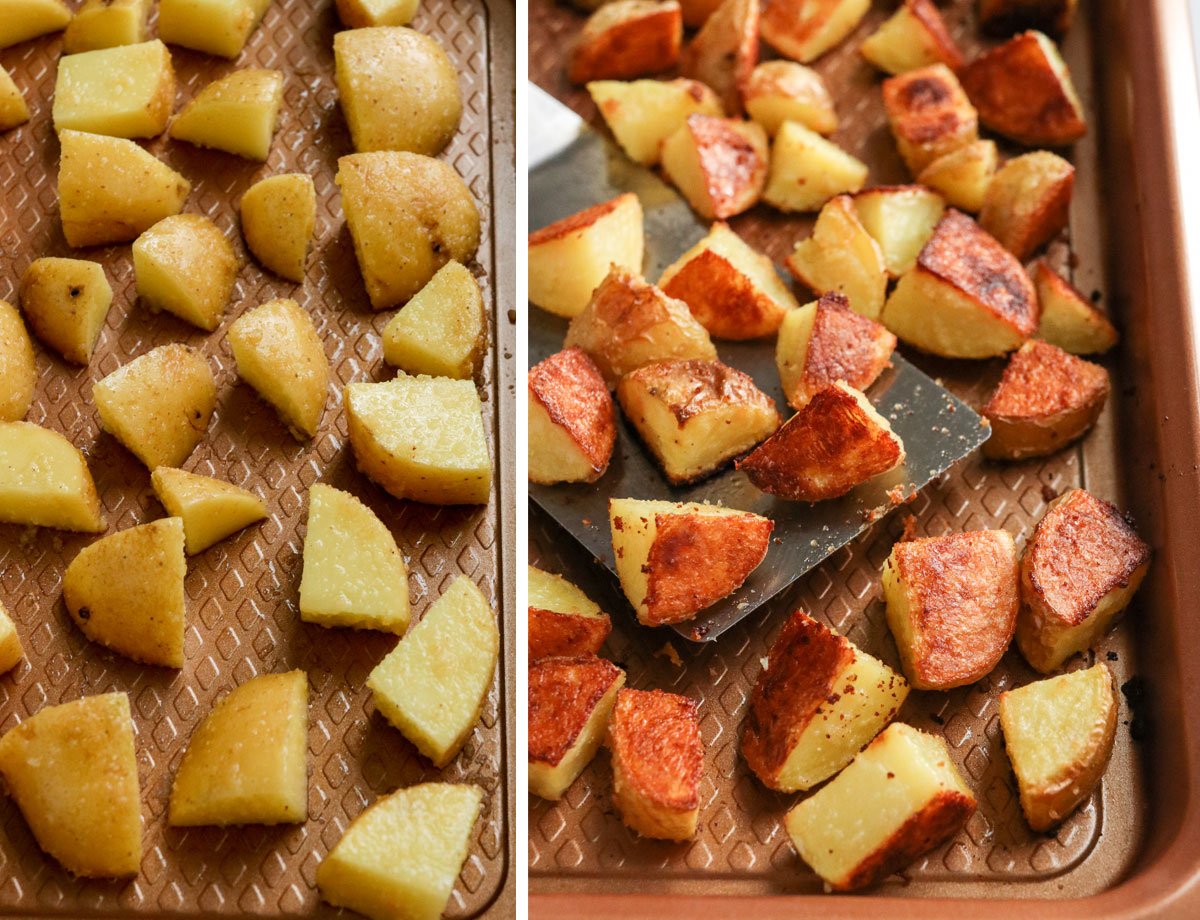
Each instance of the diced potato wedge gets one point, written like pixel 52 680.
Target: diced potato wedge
pixel 644 113
pixel 562 619
pixel 279 353
pixel 10 643
pixel 1069 320
pixel 900 798
pixel 807 170
pixel 237 113
pixel 13 109
pixel 779 91
pixel 1080 569
pixel 66 302
pixel 443 330
pixel 21 20
pixel 353 573
pixel 624 39
pixel 930 115
pixel 45 482
pixel 73 772
pixel 186 266
pixel 362 14
pixel 106 24
pixel 218 27
pixel 1027 201
pixel 125 591
pixel 842 257
pixel 719 164
pixel 127 91
pixel 914 36
pixel 210 509
pixel 962 176
pixel 279 214
pixel 901 218
pixel 1004 17
pixel 676 558
pixel 18 368
pixel 432 686
pixel 723 53
pixel 572 424
pixel 803 30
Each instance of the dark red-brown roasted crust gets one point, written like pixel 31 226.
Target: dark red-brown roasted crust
pixel 724 52
pixel 935 27
pixel 723 300
pixel 1043 380
pixel 926 104
pixel 577 221
pixel 1004 17
pixel 563 693
pixel 689 388
pixel 573 392
pixel 733 166
pixel 786 23
pixel 1024 227
pixel 845 345
pixel 655 741
pixel 642 41
pixel 552 633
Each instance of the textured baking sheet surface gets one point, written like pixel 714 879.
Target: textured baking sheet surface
pixel 242 593
pixel 580 845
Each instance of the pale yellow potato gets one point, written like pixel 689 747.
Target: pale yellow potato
pixel 10 643
pixel 443 330
pixel 127 91
pixel 1069 320
pixel 401 857
pixel 13 109
pixel 563 621
pixel 643 113
pixel 237 113
pixel 962 176
pixel 210 509
pixel 719 165
pixel 432 686
pixel 354 574
pixel 807 170
pixel 901 218
pixel 21 20
pixel 45 482
pixel 185 265
pixel 360 14
pixel 279 214
pixel 780 91
pixel 18 369
pixel 73 772
pixel 804 31
pixel 215 26
pixel 106 24
pixel 914 36
pixel 1028 201
pixel 842 256
pixel 247 763
pixel 66 302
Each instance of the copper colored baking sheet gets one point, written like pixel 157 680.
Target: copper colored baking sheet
pixel 242 593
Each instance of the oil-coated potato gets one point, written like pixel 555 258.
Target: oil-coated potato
pixel 66 302
pixel 21 20
pixel 572 424
pixel 10 643
pixel 18 369
pixel 443 330
pixel 13 108
pixel 803 30
pixel 1069 319
pixel 807 170
pixel 901 218
pixel 779 91
pixel 644 113
pixel 562 619
pixel 1028 201
pixel 625 39
pixel 362 14
pixel 279 214
pixel 237 113
pixel 914 36
pixel 45 482
pixel 186 266
pixel 106 24
pixel 218 27
pixel 723 53
pixel 210 509
pixel 127 91
pixel 963 175
pixel 842 257
pixel 719 164
pixel 930 115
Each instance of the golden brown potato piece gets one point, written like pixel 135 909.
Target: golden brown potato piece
pixel 1028 201
pixel 185 265
pixel 803 30
pixel 836 442
pixel 644 113
pixel 1003 17
pixel 279 214
pixel 807 170
pixel 901 218
pixel 719 164
pixel 952 605
pixel 1045 400
pixel 1080 569
pixel 779 91
pixel 361 14
pixel 1069 320
pixel 572 423
pixel 842 257
pixel 817 701
pixel 18 369
pixel 106 24
pixel 695 415
pixel 962 176
pixel 126 91
pixel 657 763
pixel 1023 90
pixel 724 52
pixel 562 619
pixel 626 39
pixel 929 113
pixel 914 36
pixel 66 302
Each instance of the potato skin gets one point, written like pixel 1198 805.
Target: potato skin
pixel 1028 202
pixel 719 164
pixel 278 217
pixel 569 386
pixel 563 692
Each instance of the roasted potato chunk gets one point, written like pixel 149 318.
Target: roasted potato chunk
pixel 279 214
pixel 10 643
pixel 362 14
pixel 562 619
pixel 779 91
pixel 443 330
pixel 626 39
pixel 237 113
pixel 962 176
pixel 901 218
pixel 724 51
pixel 106 24
pixel 803 30
pixel 842 257
pixel 66 302
pixel 18 369
pixel 210 509
pixel 572 425
pixel 45 482
pixel 218 27
pixel 807 170
pixel 930 115
pixel 1069 320
pixel 1003 17
pixel 13 109
pixel 644 113
pixel 127 91
pixel 719 164
pixel 186 266
pixel 26 19
pixel 914 36
pixel 1027 201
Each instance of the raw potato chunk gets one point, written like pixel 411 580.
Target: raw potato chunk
pixel 644 113
pixel 1069 320
pixel 1080 569
pixel 45 482
pixel 66 302
pixel 237 113
pixel 675 559
pixel 930 115
pixel 836 442
pixel 137 192
pixel 562 619
pixel 570 700
pixel 570 257
pixel 127 91
pixel 657 763
pixel 398 89
pixel 779 91
pixel 901 218
pixel 10 643
pixel 842 257
pixel 21 20
pixel 279 214
pixel 1003 17
pixel 210 509
pixel 361 14
pixel 694 416
pixel 1059 736
pixel 719 164
pixel 804 30
pixel 817 701
pixel 408 215
pixel 952 605
pixel 432 686
pixel 13 109
pixel 625 39
pixel 443 330
pixel 807 170
pixel 218 27
pixel 914 36
pixel 724 51
pixel 572 424
pixel 158 405
pixel 353 574
pixel 186 266
pixel 18 369
pixel 421 438
pixel 279 353
pixel 106 24
pixel 1045 400
pixel 401 857
pixel 962 176
pixel 900 798
pixel 1027 201
pixel 73 772
pixel 247 762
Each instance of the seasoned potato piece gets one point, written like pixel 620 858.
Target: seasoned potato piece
pixel 21 20
pixel 625 39
pixel 210 509
pixel 562 619
pixel 10 643
pixel 900 798
pixel 676 558
pixel 13 109
pixel 127 91
pixel 1080 569
pixel 930 114
pixel 45 482
pixel 836 442
pixel 807 170
pixel 443 330
pixel 695 12
pixel 1027 201
pixel 572 425
pixel 432 685
pixel 279 353
pixel 1069 320
pixel 237 113
pixel 106 24
pixel 779 91
pixel 695 416
pixel 842 257
pixel 657 763
pixel 644 113
pixel 247 762
pixel 719 164
pixel 1045 400
pixel 570 700
pixel 914 36
pixel 421 438
pixel 186 266
pixel 361 14
pixel 279 214
pixel 724 51
pixel 401 857
pixel 125 591
pixel 901 218
pixel 218 27
pixel 158 405
pixel 804 30
pixel 967 297
pixel 354 574
pixel 137 192
pixel 66 302
pixel 73 772
pixel 398 89
pixel 962 176
pixel 1003 17
pixel 1059 735
pixel 408 215
pixel 952 605
pixel 18 369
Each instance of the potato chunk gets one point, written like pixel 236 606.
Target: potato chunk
pixel 354 574
pixel 930 115
pixel 398 89
pixel 644 113
pixel 901 218
pixel 279 214
pixel 1003 17
pixel 900 798
pixel 570 700
pixel 158 405
pixel 807 170
pixel 1080 569
pixel 125 591
pixel 18 369
pixel 137 192
pixel 66 302
pixel 779 91
pixel 719 164
pixel 362 14
pixel 562 619
pixel 279 353
pixel 127 91
pixel 210 509
pixel 914 36
pixel 247 762
pixel 21 20
pixel 676 558
pixel 73 772
pixel 432 686
pixel 724 51
pixel 10 643
pixel 804 30
pixel 186 266
pixel 237 113
pixel 106 24
pixel 1059 736
pixel 401 857
pixel 13 108
pixel 421 438
pixel 952 605
pixel 1027 202
pixel 443 330
pixel 625 39
pixel 572 424
pixel 45 482
pixel 963 175
pixel 1069 320
pixel 842 257
pixel 218 27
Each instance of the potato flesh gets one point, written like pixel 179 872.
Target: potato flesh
pixel 963 175
pixel 67 302
pixel 1027 201
pixel 550 781
pixel 18 368
pixel 718 164
pixel 186 266
pixel 211 510
pixel 1068 320
pixel 1047 645
pixel 805 31
pixel 442 331
pixel 45 482
pixel 554 456
pixel 901 222
pixel 10 643
pixel 107 24
pixel 13 109
pixel 929 313
pixel 218 27
pixel 361 14
pixel 807 170
pixel 128 91
pixel 237 113
pixel 905 43
pixel 279 214
pixel 842 256
pixel 553 592
pixel 24 19
pixel 643 113
pixel 780 91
